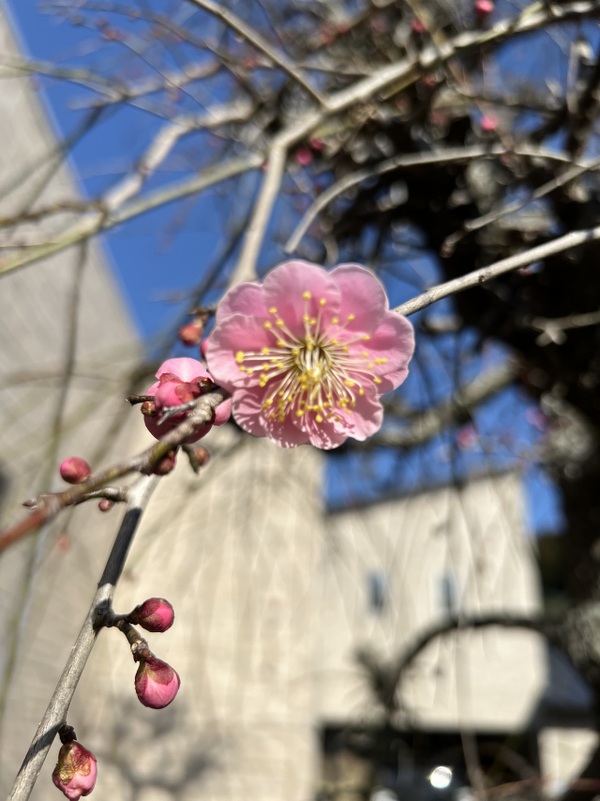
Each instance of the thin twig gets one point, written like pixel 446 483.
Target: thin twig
pixel 50 505
pixel 573 239
pixel 260 43
pixel 56 713
pixel 445 156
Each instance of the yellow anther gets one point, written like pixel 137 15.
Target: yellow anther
pixel 239 356
pixel 335 342
pixel 322 302
pixel 306 295
pixel 381 361
pixel 377 380
pixel 263 380
pixel 367 337
pixel 280 323
pixel 319 418
pixel 265 351
pixel 268 324
pixel 351 317
pixel 299 412
pixel 345 348
pixel 335 320
pixel 272 310
pixel 349 383
pixel 250 371
pixel 361 391
pixel 280 343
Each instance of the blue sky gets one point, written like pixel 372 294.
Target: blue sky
pixel 159 256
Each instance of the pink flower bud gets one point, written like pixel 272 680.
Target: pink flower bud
pixel 105 505
pixel 201 456
pixel 303 156
pixel 191 334
pixel 488 124
pixel 179 382
pixel 155 614
pixel 76 770
pixel 483 8
pixel 164 466
pixel 156 683
pixel 75 470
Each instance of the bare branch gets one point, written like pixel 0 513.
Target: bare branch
pixel 260 43
pixel 56 713
pixel 571 240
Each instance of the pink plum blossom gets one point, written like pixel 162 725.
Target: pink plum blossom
pixel 156 683
pixel 76 770
pixel 180 381
pixel 74 470
pixel 307 354
pixel 155 614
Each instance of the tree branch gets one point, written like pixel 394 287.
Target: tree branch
pixel 56 713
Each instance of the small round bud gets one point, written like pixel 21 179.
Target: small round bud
pixel 483 9
pixel 201 456
pixel 105 505
pixel 155 614
pixel 191 333
pixel 488 124
pixel 75 470
pixel 303 156
pixel 75 772
pixel 148 409
pixel 164 466
pixel 156 683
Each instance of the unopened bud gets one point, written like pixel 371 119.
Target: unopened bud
pixel 105 505
pixel 191 333
pixel 75 470
pixel 483 9
pixel 148 409
pixel 164 466
pixel 201 456
pixel 156 683
pixel 488 124
pixel 155 614
pixel 75 772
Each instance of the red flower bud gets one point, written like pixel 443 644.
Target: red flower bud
pixel 483 9
pixel 164 466
pixel 155 614
pixel 75 470
pixel 191 333
pixel 76 770
pixel 105 505
pixel 156 683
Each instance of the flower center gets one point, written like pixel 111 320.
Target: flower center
pixel 320 373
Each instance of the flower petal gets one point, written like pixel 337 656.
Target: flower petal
pixel 364 420
pixel 285 289
pixel 184 368
pixel 232 336
pixel 363 297
pixel 247 299
pixel 249 414
pixel 394 341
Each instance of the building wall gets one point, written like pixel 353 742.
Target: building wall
pixel 66 348
pixel 447 551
